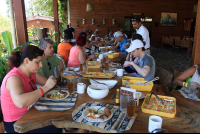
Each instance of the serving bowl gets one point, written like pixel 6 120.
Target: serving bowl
pixel 97 91
pixel 109 83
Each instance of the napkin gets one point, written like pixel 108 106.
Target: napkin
pixel 129 91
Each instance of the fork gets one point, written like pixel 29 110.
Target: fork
pixel 103 105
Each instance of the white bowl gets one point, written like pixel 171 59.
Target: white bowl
pixel 97 94
pixel 109 83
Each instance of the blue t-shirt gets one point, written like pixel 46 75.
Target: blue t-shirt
pixel 122 46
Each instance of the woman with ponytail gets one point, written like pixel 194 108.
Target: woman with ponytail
pixel 18 89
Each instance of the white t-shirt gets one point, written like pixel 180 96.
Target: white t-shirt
pixel 145 35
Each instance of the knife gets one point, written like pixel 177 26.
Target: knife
pixel 119 122
pixel 72 97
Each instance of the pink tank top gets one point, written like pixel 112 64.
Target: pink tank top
pixel 74 57
pixel 10 111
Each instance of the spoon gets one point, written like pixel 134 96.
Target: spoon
pixel 144 84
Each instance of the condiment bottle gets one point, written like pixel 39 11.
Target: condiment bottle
pixel 117 102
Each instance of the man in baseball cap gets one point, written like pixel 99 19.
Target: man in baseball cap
pixel 144 64
pixel 122 41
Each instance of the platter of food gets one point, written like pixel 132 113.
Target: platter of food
pixel 115 65
pixel 93 64
pixel 98 75
pixel 168 109
pixel 104 114
pixel 56 95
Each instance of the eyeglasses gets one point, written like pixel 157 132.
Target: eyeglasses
pixel 49 65
pixel 33 84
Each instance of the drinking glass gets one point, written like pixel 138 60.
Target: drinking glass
pixel 81 67
pixel 76 81
pixel 192 89
pixel 104 59
pixel 124 99
pixel 56 72
pixel 106 65
pixel 70 86
pixel 85 68
pixel 131 106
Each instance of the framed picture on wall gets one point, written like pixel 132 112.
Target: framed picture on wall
pixel 168 19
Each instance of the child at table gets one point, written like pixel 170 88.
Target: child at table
pixel 18 89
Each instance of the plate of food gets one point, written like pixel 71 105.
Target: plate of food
pixel 72 69
pixel 56 95
pixel 104 114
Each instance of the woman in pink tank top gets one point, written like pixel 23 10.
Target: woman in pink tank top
pixel 18 89
pixel 76 55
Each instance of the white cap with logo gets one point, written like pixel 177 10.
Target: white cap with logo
pixel 118 34
pixel 134 45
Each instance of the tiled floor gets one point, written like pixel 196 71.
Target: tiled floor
pixel 169 60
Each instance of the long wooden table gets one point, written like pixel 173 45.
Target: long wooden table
pixel 186 120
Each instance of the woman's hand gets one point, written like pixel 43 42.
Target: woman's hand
pixel 51 82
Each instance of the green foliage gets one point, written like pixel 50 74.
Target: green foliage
pixel 3 67
pixel 5 24
pixel 7 38
pixel 32 32
pixel 43 7
pixel 51 35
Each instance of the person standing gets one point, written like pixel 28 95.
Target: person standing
pixel 142 30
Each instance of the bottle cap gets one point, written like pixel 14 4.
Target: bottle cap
pixel 117 89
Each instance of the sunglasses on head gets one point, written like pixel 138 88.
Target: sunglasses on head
pixel 49 65
pixel 134 19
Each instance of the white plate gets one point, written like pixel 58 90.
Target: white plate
pixel 96 120
pixel 72 68
pixel 51 92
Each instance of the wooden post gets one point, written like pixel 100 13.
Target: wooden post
pixel 56 19
pixel 20 19
pixel 196 45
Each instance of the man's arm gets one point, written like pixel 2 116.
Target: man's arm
pixel 144 71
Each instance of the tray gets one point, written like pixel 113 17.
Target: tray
pixel 98 75
pixel 141 87
pixel 144 110
pixel 113 55
pixel 132 78
pixel 98 64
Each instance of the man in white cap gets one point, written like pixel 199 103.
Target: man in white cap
pixel 122 41
pixel 144 64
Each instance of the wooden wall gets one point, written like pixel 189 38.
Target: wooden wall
pixel 117 9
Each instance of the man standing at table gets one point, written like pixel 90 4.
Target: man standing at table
pixel 140 29
pixel 144 64
pixel 49 61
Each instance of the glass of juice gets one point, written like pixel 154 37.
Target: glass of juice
pixel 131 106
pixel 70 86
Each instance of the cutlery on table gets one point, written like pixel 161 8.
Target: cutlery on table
pixel 144 84
pixel 103 105
pixel 119 122
pixel 152 92
pixel 99 82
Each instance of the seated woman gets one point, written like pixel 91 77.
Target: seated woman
pixel 95 36
pixel 18 89
pixel 193 72
pixel 76 56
